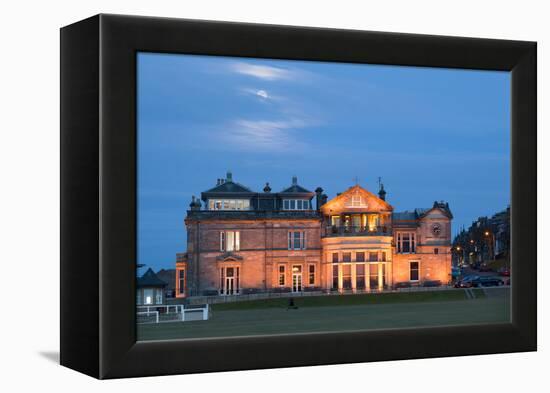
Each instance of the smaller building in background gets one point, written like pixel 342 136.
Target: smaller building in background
pixel 488 238
pixel 150 289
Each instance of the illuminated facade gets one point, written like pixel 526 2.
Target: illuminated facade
pixel 295 240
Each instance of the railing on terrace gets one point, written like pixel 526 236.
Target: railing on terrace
pixel 350 230
pixel 244 214
pixel 199 300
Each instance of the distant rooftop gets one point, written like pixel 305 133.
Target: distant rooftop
pixel 150 279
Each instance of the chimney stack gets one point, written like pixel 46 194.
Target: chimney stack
pixel 229 176
pixel 319 193
pixel 294 180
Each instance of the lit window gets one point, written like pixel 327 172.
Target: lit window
pixel 230 241
pixel 296 204
pixel 356 201
pixel 148 296
pixel 346 276
pixel 374 222
pixel 360 276
pixel 181 281
pixel 228 204
pixel 281 275
pixel 296 240
pixel 311 279
pixel 413 271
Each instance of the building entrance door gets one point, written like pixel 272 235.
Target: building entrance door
pixel 297 278
pixel 231 281
pixel 229 285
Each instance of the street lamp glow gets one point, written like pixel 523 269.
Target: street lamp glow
pixel 486 233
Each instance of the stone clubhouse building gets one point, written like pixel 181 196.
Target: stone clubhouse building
pixel 241 242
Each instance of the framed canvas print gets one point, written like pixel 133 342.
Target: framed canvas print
pixel 238 196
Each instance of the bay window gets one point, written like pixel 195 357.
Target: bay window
pixel 406 242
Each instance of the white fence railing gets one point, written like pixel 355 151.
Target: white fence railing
pixel 171 313
pixel 273 295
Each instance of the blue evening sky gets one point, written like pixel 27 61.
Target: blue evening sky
pixel 431 134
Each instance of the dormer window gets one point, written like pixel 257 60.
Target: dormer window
pixel 229 204
pixel 357 201
pixel 296 204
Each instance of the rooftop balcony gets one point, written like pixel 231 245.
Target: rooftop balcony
pixel 349 230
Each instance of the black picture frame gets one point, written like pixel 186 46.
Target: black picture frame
pixel 98 195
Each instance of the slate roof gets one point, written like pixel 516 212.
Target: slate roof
pixel 420 211
pixel 295 189
pixel 229 186
pixel 404 216
pixel 150 279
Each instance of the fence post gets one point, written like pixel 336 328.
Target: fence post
pixel 205 313
pixel 182 313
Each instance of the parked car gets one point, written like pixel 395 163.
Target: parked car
pixel 504 271
pixel 403 284
pixel 432 283
pixel 466 282
pixel 487 282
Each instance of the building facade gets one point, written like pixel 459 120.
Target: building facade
pixel 296 240
pixel 150 289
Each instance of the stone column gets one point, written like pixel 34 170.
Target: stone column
pixel 380 277
pixel 340 277
pixel 367 276
pixel 389 273
pixel 353 278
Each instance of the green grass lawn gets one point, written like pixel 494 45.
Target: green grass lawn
pixel 337 313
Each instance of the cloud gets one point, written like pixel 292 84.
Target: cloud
pixel 265 135
pixel 263 72
pixel 262 95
